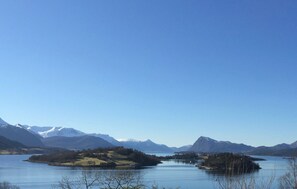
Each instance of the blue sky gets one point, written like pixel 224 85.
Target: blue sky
pixel 166 70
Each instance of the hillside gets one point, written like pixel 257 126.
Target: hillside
pixel 147 146
pixel 205 144
pixel 9 144
pixel 104 158
pixel 76 143
pixel 20 135
pixel 107 138
pixel 269 151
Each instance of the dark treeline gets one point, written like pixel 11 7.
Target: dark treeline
pixel 229 163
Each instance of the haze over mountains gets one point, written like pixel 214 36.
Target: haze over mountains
pixel 59 137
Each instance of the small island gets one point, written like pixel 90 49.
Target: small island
pixel 110 158
pixel 183 157
pixel 228 163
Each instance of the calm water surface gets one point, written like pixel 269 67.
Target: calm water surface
pixel 170 174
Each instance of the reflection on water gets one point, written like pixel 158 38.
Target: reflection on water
pixel 169 174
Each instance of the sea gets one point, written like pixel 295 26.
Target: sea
pixel 170 174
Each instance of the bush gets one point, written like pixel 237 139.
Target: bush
pixel 7 185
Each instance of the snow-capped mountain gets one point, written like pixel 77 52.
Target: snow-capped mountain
pixel 49 133
pixel 19 134
pixel 52 131
pixel 129 140
pixel 46 132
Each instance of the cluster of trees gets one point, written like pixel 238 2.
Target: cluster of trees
pixel 110 161
pixel 7 185
pixel 108 180
pixel 229 163
pixel 287 181
pixel 129 154
pixel 60 157
pixel 184 157
pixel 139 157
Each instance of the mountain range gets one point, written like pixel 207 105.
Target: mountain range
pixel 277 150
pixel 73 139
pixel 52 131
pixel 48 132
pixel 147 146
pixel 20 135
pixel 208 145
pixel 77 142
pixel 17 136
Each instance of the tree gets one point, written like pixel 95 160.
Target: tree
pixel 244 181
pixel 103 180
pixel 7 185
pixel 289 180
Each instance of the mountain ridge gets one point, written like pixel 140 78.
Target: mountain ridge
pixel 20 135
pixel 5 143
pixel 206 144
pixel 32 135
pixel 77 142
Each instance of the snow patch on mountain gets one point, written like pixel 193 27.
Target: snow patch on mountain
pixel 61 131
pixel 46 132
pixel 129 140
pixel 52 131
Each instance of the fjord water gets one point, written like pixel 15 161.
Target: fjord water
pixel 170 174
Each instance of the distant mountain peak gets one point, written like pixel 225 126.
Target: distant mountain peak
pixel 149 140
pixel 146 146
pixel 3 123
pixel 206 144
pixel 206 138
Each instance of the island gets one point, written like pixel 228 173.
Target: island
pixel 111 158
pixel 183 157
pixel 229 163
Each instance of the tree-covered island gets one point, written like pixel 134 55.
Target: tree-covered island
pixel 229 163
pixel 119 158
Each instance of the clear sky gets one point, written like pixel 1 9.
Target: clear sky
pixel 166 70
